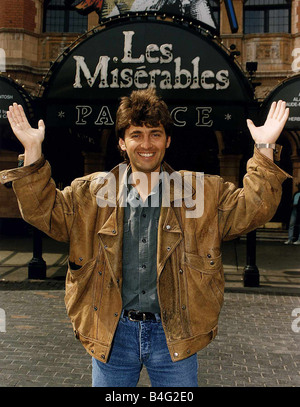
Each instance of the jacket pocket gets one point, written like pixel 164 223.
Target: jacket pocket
pixel 78 282
pixel 204 264
pixel 73 266
pixel 205 288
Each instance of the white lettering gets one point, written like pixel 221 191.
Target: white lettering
pixel 126 75
pixel 176 77
pixel 296 62
pixel 2 320
pixel 179 73
pixel 195 63
pixel 149 49
pixel 296 322
pixel 203 117
pixel 2 60
pixel 152 75
pixel 100 68
pixel 166 51
pixel 206 75
pixel 128 59
pixel 178 123
pixel 166 82
pixel 140 73
pixel 222 78
pixel 104 117
pixel 82 113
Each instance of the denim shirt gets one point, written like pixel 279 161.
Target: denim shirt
pixel 139 290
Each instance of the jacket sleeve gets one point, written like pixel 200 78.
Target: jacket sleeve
pixel 242 210
pixel 41 204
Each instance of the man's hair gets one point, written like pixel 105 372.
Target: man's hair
pixel 142 107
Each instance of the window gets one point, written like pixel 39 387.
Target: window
pixel 267 16
pixel 61 17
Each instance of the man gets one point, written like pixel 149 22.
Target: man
pixel 295 219
pixel 145 281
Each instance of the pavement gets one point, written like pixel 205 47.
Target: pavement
pixel 258 343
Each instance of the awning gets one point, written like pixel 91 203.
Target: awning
pixel 289 91
pixel 10 92
pixel 202 85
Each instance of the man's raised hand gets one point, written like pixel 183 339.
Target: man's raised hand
pixel 273 126
pixel 29 137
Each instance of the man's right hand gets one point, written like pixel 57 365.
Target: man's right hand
pixel 30 138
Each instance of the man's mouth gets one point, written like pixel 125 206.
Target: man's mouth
pixel 146 155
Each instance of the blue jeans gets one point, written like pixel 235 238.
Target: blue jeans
pixel 138 343
pixel 293 224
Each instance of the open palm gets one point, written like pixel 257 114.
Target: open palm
pixel 273 126
pixel 26 134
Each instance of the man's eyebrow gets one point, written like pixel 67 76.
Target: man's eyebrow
pixel 156 130
pixel 153 130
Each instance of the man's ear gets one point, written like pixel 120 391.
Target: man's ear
pixel 168 141
pixel 122 144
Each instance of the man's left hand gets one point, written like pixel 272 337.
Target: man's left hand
pixel 272 128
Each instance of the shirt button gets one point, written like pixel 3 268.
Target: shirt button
pixel 144 266
pixel 144 215
pixel 168 227
pixel 114 232
pixel 175 354
pixel 144 240
pixel 4 176
pixel 212 263
pixel 143 292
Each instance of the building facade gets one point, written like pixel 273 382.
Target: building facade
pixel 265 43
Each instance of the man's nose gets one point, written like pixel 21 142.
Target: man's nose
pixel 146 142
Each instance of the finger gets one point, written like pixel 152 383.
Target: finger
pixel 11 117
pixel 12 113
pixel 41 125
pixel 285 115
pixel 281 111
pixel 251 125
pixel 277 110
pixel 20 116
pixel 271 111
pixel 15 113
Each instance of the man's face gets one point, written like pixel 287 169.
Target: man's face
pixel 145 147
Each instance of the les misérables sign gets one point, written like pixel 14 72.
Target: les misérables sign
pixel 196 78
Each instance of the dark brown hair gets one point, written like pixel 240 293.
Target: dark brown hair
pixel 142 107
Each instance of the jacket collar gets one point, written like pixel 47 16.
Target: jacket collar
pixel 109 187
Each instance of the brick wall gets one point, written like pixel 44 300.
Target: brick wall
pixel 18 14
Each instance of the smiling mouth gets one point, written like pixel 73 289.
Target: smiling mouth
pixel 146 155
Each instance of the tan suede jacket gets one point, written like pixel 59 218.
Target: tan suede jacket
pixel 190 278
